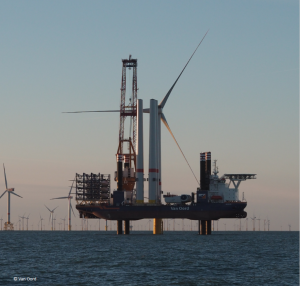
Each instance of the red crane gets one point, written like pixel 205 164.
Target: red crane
pixel 128 111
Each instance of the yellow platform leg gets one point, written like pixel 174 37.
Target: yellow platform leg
pixel 158 227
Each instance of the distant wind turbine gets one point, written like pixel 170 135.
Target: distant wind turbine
pixel 27 220
pixel 8 225
pixel 54 222
pixel 69 197
pixel 258 224
pixel 22 217
pixel 41 219
pixel 64 219
pixel 253 219
pixel 51 215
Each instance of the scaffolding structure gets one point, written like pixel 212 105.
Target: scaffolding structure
pixel 92 188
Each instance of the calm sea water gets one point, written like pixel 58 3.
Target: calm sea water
pixel 174 258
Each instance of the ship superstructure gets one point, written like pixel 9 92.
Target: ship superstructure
pixel 219 187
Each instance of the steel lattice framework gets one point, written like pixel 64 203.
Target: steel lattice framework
pixel 131 109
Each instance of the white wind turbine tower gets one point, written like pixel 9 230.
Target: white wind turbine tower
pixel 69 197
pixel 51 215
pixel 27 220
pixel 19 221
pixel 22 217
pixel 54 222
pixel 1 222
pixel 253 219
pixel 8 225
pixel 64 219
pixel 258 224
pixel 41 219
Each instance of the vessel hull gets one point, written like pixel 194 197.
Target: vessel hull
pixel 205 211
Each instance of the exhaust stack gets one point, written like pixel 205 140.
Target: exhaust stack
pixel 205 170
pixel 120 172
pixel 202 171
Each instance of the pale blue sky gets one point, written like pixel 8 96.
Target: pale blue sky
pixel 238 98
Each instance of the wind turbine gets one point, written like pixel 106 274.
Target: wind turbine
pixel 18 223
pixel 69 197
pixel 253 219
pixel 8 225
pixel 258 224
pixel 51 215
pixel 22 217
pixel 27 220
pixel 54 222
pixel 64 219
pixel 41 219
pixel 1 222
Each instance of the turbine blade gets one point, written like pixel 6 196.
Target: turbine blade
pixel 49 217
pixel 59 198
pixel 163 102
pixel 72 209
pixel 3 194
pixel 164 120
pixel 5 176
pixel 16 194
pixel 54 209
pixel 47 208
pixel 72 186
pixel 92 111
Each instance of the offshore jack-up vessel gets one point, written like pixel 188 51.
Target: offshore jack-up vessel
pixel 213 199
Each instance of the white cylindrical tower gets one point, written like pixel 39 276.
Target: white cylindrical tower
pixel 153 152
pixel 8 206
pixel 69 211
pixel 158 155
pixel 140 154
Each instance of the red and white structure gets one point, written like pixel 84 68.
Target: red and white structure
pixel 8 225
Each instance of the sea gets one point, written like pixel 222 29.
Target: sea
pixel 141 258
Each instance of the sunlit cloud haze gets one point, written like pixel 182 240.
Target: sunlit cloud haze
pixel 238 97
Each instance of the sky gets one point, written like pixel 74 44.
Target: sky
pixel 238 97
